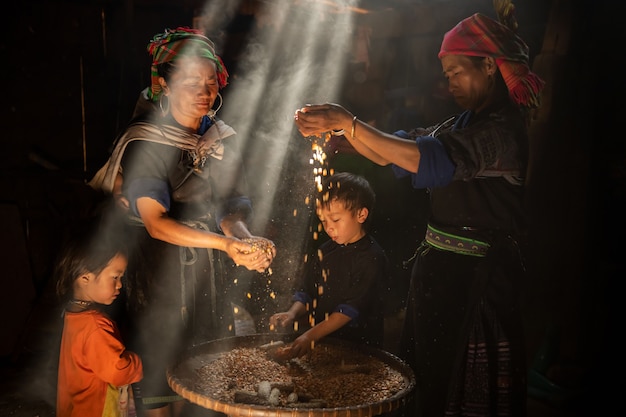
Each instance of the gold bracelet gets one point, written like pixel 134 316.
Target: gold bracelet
pixel 353 127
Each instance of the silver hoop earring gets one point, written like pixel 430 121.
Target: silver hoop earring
pixel 166 110
pixel 212 112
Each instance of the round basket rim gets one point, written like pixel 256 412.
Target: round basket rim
pixel 255 410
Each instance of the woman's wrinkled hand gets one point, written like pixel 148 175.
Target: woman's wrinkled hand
pixel 265 250
pixel 314 120
pixel 241 253
pixel 255 254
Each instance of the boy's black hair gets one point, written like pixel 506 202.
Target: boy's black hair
pixel 353 190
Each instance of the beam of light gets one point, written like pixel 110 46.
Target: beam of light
pixel 296 55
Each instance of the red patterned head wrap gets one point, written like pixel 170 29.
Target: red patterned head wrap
pixel 182 41
pixel 479 35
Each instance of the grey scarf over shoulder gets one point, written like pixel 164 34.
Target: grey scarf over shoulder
pixel 209 144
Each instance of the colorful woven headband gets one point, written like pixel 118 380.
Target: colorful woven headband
pixel 479 35
pixel 182 41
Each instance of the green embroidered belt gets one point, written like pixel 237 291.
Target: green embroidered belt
pixel 462 245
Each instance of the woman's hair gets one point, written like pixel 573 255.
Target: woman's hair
pixel 88 248
pixel 167 69
pixel 354 191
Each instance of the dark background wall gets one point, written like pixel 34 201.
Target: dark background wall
pixel 72 71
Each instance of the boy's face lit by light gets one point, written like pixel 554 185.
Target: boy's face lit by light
pixel 342 225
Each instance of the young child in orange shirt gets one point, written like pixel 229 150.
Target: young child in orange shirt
pixel 95 369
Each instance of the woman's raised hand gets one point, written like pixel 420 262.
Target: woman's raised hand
pixel 314 120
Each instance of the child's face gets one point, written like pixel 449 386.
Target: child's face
pixel 342 225
pixel 105 287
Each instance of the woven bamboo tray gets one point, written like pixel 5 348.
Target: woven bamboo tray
pixel 182 377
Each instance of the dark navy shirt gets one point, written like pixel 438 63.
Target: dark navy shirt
pixel 349 279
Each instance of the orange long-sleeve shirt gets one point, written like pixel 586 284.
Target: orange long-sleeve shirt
pixel 92 357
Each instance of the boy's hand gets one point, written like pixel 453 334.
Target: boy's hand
pixel 301 346
pixel 283 320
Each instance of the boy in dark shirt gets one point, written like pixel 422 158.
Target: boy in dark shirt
pixel 342 292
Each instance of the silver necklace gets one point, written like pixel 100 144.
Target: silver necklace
pixel 81 303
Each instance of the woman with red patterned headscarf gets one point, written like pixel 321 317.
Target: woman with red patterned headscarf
pixel 463 332
pixel 178 174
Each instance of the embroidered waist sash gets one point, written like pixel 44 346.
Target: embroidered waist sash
pixel 458 244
